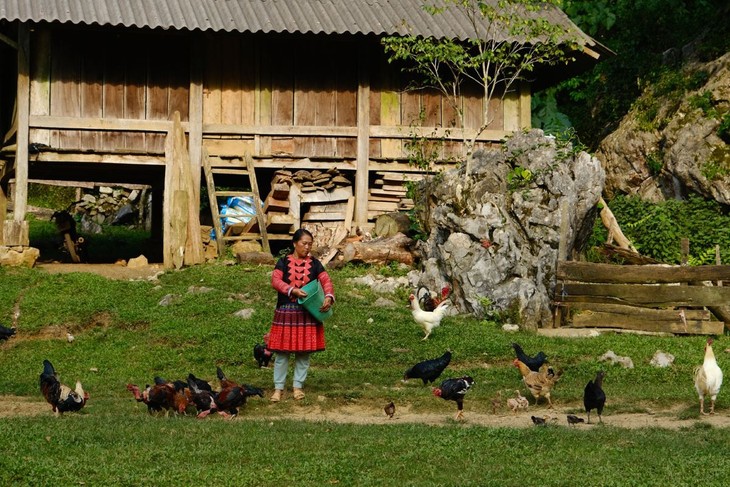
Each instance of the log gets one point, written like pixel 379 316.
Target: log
pixel 390 224
pixel 639 274
pixel 380 251
pixel 614 230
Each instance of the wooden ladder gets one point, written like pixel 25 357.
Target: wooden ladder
pixel 248 173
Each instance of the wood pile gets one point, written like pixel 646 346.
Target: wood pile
pixel 388 193
pixel 280 220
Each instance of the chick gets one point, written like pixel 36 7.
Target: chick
pixel 389 409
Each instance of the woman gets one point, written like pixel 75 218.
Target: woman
pixel 294 329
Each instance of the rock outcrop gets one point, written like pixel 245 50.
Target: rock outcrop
pixel 495 233
pixel 685 154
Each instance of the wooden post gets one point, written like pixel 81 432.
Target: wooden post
pixel 684 243
pixel 362 175
pixel 718 260
pixel 195 127
pixel 16 232
pixel 562 256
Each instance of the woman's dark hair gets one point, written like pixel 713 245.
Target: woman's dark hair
pixel 299 234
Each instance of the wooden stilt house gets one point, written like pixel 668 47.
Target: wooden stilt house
pixel 90 89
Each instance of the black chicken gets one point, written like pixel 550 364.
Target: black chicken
pixel 229 399
pixel 538 421
pixel 389 409
pixel 454 390
pixel 428 370
pixel 427 301
pixel 203 399
pixel 6 332
pixel 262 355
pixel 594 397
pixel 61 397
pixel 534 363
pixel 201 384
pixel 573 419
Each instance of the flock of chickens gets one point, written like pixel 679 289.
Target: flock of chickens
pixel 537 376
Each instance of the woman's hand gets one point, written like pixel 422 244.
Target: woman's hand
pixel 298 293
pixel 326 305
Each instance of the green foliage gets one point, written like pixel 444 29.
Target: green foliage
pixel 647 37
pixel 655 162
pixel 704 102
pixel 519 177
pixel 656 230
pixel 723 131
pixel 45 196
pixel 546 115
pixel 489 60
pixel 424 151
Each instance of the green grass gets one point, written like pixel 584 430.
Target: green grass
pixel 126 336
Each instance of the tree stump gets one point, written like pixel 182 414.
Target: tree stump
pixel 380 251
pixel 389 224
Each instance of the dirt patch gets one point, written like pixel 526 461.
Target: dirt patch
pixel 110 271
pixel 15 406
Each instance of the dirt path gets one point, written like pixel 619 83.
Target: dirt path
pixel 15 406
pixel 110 271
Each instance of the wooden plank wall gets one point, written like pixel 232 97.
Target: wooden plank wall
pixel 110 74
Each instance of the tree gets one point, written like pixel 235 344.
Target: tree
pixel 509 39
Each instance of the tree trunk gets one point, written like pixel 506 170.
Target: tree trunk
pixel 380 251
pixel 389 224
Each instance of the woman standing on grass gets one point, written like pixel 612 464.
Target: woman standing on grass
pixel 294 329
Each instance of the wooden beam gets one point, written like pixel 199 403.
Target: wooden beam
pixel 40 83
pixel 195 116
pixel 81 123
pixel 20 192
pixel 48 156
pixel 640 274
pixel 643 295
pixel 362 174
pixel 279 130
pixel 401 132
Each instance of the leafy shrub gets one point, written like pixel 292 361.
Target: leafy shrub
pixel 723 131
pixel 657 229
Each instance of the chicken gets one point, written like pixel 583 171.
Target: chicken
pixel 518 402
pixel 427 319
pixel 6 333
pixel 534 363
pixel 199 383
pixel 262 355
pixel 708 378
pixel 540 383
pixel 233 395
pixel 427 301
pixel 230 398
pixel 182 398
pixel 61 397
pixel 428 370
pixel 203 399
pixel 594 397
pixel 156 397
pixel 537 421
pixel 573 419
pixel 455 390
pixel 389 409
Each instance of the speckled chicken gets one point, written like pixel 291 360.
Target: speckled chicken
pixel 540 384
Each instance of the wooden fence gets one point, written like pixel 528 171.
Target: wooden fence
pixel 654 298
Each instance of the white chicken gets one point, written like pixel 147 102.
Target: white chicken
pixel 427 319
pixel 708 378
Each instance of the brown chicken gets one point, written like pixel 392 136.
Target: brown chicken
pixel 540 383
pixel 157 397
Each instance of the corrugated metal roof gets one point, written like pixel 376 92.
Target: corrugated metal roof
pixel 378 17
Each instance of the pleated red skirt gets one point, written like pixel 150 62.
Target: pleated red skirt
pixel 295 330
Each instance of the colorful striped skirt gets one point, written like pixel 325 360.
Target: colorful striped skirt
pixel 295 330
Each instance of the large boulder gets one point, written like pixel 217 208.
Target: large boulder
pixel 495 232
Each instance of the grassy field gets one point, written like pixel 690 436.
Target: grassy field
pixel 122 334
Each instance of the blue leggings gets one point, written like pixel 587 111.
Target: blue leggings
pixel 281 367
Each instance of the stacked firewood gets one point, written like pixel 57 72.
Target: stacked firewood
pixel 314 180
pixel 389 193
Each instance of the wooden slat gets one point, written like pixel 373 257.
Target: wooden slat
pixel 16 233
pixel 212 83
pixel 113 98
pixel 135 89
pixel 107 123
pixel 638 295
pixel 91 86
pixel 654 320
pixel 346 97
pixel 66 65
pixel 637 274
pixel 231 102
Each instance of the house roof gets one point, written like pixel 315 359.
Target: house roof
pixel 378 17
